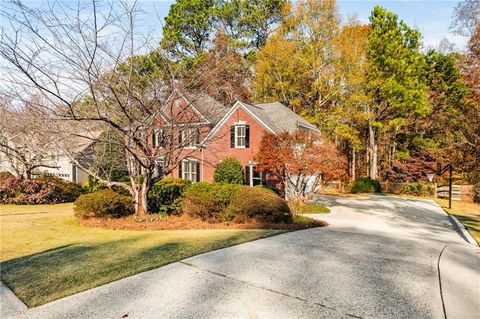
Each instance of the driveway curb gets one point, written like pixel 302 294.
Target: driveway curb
pixel 10 305
pixel 462 230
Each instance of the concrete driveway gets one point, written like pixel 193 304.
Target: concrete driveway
pixel 381 257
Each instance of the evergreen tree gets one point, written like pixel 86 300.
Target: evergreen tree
pixel 394 81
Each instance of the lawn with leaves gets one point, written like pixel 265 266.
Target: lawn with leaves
pixel 467 213
pixel 47 255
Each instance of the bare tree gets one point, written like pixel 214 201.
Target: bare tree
pixel 85 60
pixel 23 147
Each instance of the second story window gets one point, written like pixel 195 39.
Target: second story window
pixel 159 138
pixel 240 136
pixel 189 137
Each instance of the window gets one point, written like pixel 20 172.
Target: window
pixel 240 136
pixel 159 138
pixel 190 169
pixel 189 137
pixel 254 177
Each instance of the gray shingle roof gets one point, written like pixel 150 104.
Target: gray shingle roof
pixel 210 108
pixel 278 117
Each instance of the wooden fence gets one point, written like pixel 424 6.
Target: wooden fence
pixel 442 192
pixel 459 192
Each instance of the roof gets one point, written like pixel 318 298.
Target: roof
pixel 274 116
pixel 210 108
pixel 206 106
pixel 278 117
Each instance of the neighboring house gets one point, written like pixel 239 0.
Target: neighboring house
pixel 53 162
pixel 214 132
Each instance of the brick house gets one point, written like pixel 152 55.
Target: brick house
pixel 211 132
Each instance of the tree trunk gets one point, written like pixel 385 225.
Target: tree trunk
pixel 354 163
pixel 373 152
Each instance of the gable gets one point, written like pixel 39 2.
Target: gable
pixel 228 118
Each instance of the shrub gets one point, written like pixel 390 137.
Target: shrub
pixel 105 204
pixel 260 205
pixel 70 190
pixel 164 196
pixel 17 190
pixel 4 176
pixel 230 171
pixel 271 189
pixel 476 193
pixel 317 209
pixel 366 185
pixel 417 189
pixel 208 201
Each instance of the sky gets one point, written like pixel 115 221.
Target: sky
pixel 431 17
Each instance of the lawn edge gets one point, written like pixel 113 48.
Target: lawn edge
pixel 462 230
pixel 278 232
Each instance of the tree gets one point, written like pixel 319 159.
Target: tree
pixel 394 83
pixel 230 171
pixel 250 22
pixel 466 17
pixel 188 28
pixel 223 73
pixel 86 67
pixel 108 158
pixel 300 160
pixel 24 145
pixel 295 66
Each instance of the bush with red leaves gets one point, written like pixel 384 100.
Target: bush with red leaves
pixel 17 190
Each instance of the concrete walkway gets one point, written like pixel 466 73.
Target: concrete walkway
pixel 381 257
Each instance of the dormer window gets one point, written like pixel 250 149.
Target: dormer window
pixel 240 135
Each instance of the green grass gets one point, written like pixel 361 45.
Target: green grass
pixel 46 255
pixel 467 213
pixel 316 209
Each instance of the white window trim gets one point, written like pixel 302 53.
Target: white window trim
pixel 184 139
pixel 192 172
pixel 236 126
pixel 156 135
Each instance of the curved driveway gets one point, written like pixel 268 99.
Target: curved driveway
pixel 381 257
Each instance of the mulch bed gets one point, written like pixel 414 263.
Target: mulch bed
pixel 185 222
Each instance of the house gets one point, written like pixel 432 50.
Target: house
pixel 17 156
pixel 211 132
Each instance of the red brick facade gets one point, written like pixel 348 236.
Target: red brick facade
pixel 218 145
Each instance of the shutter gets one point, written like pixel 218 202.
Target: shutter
pixel 197 140
pixel 247 136
pixel 180 138
pixel 232 136
pixel 247 175
pixel 198 172
pixel 180 169
pixel 153 140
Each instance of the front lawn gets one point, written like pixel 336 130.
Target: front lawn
pixel 467 213
pixel 47 255
pixel 316 209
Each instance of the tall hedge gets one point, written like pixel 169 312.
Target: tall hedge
pixel 164 197
pixel 229 171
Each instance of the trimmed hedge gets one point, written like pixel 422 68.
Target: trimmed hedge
pixel 260 205
pixel 20 191
pixel 105 204
pixel 208 201
pixel 230 171
pixel 164 197
pixel 218 202
pixel 366 185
